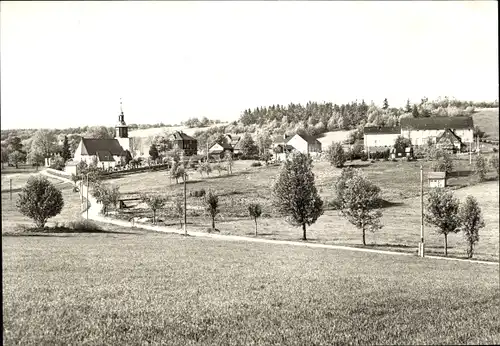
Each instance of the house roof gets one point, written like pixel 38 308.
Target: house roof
pixel 90 146
pixel 103 155
pixel 181 136
pixel 437 123
pixel 223 145
pixel 382 130
pixel 450 136
pixel 307 138
pixel 436 175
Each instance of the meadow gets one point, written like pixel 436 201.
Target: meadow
pixel 400 188
pixel 147 288
pixel 487 120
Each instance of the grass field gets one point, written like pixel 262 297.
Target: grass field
pixel 148 288
pixel 487 120
pixel 399 181
pixel 11 218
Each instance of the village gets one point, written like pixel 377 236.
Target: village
pixel 246 173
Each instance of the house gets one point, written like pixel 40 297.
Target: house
pixel 220 148
pixel 449 141
pixel 186 143
pixel 380 136
pixel 304 143
pixel 232 139
pixel 437 179
pixel 421 130
pixel 106 152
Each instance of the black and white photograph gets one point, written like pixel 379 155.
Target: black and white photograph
pixel 250 172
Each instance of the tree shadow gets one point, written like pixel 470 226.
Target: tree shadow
pixel 356 165
pixel 464 173
pixel 19 189
pixel 387 204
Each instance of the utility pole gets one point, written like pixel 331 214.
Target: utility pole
pixel 87 201
pixel 421 245
pixel 10 188
pixel 185 204
pixel 470 153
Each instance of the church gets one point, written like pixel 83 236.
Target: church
pixel 107 152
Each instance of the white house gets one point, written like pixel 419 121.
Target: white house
pixel 304 143
pixel 219 148
pixel 437 179
pixel 420 130
pixel 379 136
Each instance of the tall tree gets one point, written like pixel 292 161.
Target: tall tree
pixel 408 106
pixel 481 167
pixel 471 221
pixel 442 212
pixel 45 142
pixel 294 193
pixel 358 199
pixel 415 112
pixel 66 153
pixel 248 147
pixel 255 211
pixel 212 206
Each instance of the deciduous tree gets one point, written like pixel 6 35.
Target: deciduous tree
pixel 358 199
pixel 481 167
pixel 336 155
pixel 212 206
pixel 294 193
pixel 442 212
pixel 255 211
pixel 471 221
pixel 40 200
pixel 155 202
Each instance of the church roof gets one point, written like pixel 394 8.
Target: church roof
pixel 104 155
pixel 90 146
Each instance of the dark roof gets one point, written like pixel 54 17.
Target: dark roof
pixel 178 136
pixel 103 155
pixel 437 123
pixel 307 138
pixel 91 145
pixel 382 130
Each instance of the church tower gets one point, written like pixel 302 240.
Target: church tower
pixel 122 130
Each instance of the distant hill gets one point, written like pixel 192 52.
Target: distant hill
pixel 159 130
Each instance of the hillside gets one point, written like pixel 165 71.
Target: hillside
pixel 159 130
pixel 487 120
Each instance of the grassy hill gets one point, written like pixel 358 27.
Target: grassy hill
pixel 487 119
pixel 159 130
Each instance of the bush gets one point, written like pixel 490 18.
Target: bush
pixel 197 193
pixel 336 155
pixel 494 163
pixel 495 150
pixel 40 200
pixel 364 157
pixel 256 164
pixel 480 167
pixel 83 225
pixel 57 163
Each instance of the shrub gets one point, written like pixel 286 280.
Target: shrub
pixel 83 225
pixel 57 163
pixel 443 161
pixel 336 155
pixel 481 167
pixel 495 150
pixel 256 164
pixel 197 193
pixel 364 157
pixel 40 200
pixel 155 202
pixel 494 163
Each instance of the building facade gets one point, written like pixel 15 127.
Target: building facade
pixel 183 142
pixel 379 136
pixel 422 130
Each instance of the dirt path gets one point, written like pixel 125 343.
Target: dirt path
pixel 93 214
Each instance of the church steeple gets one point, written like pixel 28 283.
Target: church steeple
pixel 121 127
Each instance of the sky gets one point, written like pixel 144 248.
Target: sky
pixel 67 64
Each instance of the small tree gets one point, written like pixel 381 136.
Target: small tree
pixel 358 199
pixel 401 144
pixel 153 152
pixel 74 179
pixel 255 211
pixel 102 194
pixel 294 193
pixel 442 160
pixel 212 206
pixel 248 147
pixel 36 158
pixel 336 155
pixel 57 163
pixel 481 167
pixel 154 202
pixel 494 164
pixel 40 200
pixel 16 157
pixel 386 104
pixel 471 221
pixel 66 153
pixel 229 162
pixel 442 212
